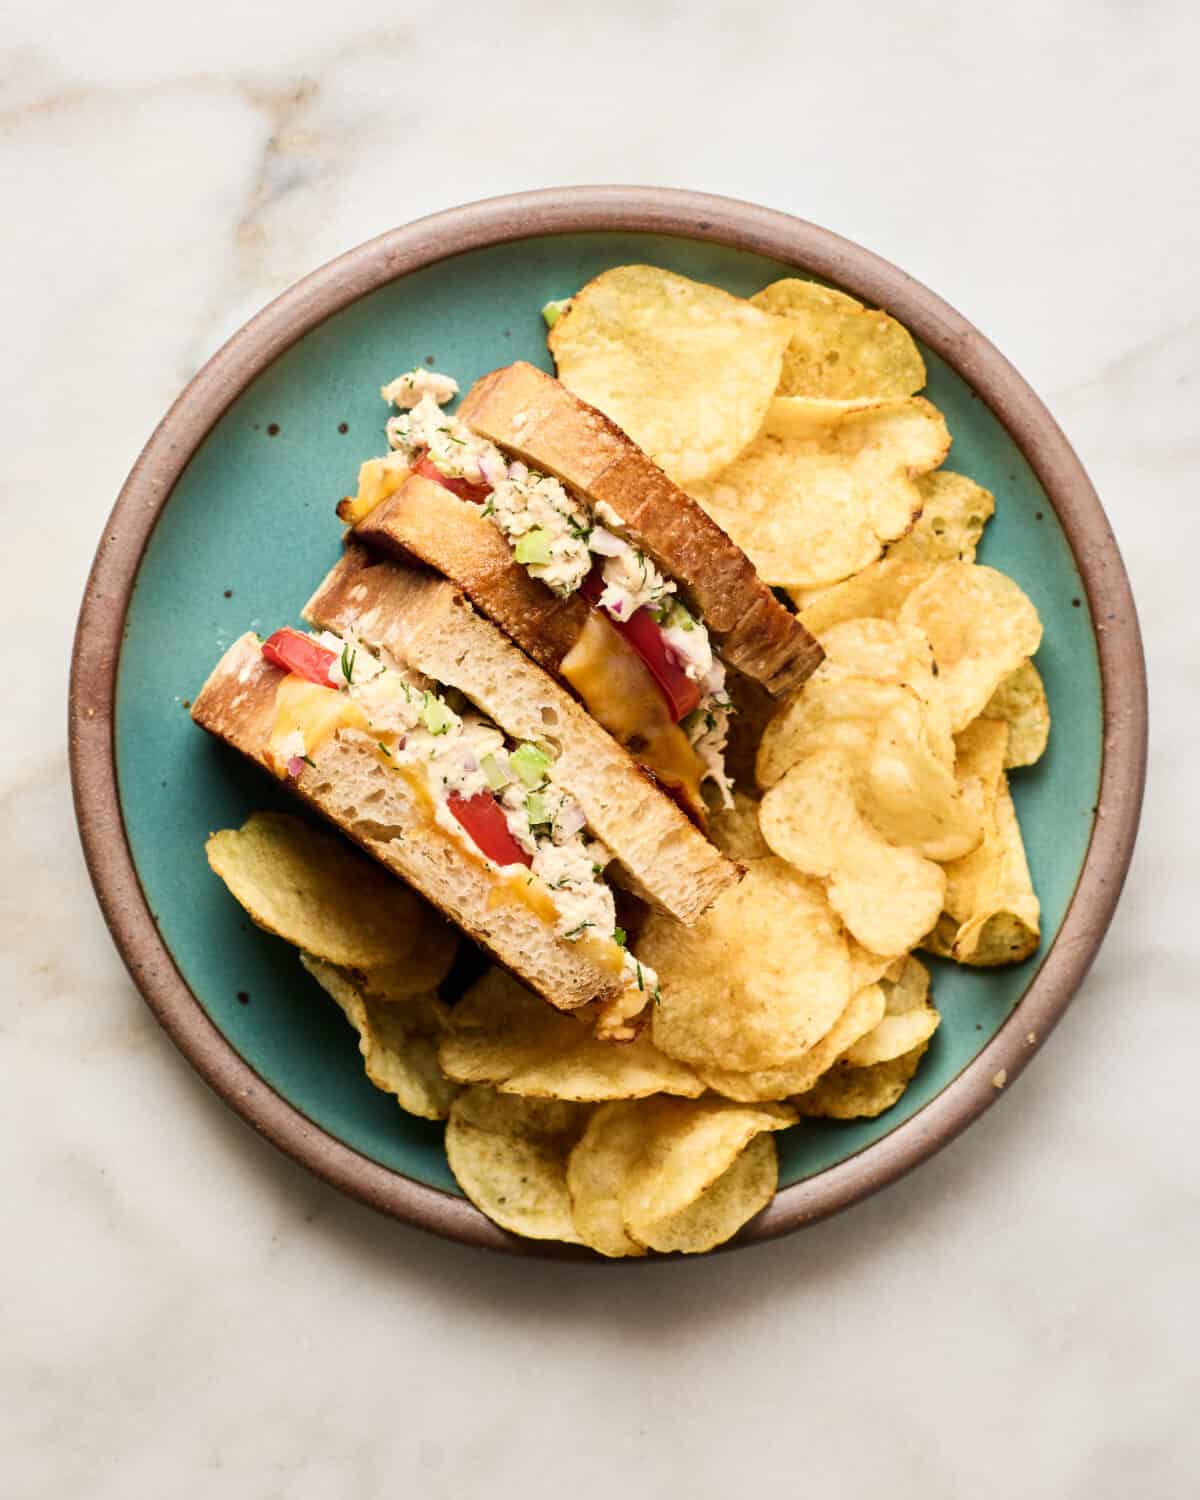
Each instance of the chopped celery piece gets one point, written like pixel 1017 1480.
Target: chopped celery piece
pixel 530 764
pixel 497 776
pixel 533 547
pixel 435 715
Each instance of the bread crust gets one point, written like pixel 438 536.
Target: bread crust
pixel 422 519
pixel 530 414
pixel 237 705
pixel 425 620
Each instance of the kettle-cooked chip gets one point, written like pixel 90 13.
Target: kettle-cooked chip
pixel 757 981
pixel 889 897
pixel 821 490
pixel 912 797
pixel 1020 701
pixel 992 915
pixel 833 711
pixel 909 1020
pixel 981 626
pixel 744 1189
pixel 877 591
pixel 501 1034
pixel 955 511
pixel 848 1093
pixel 596 1173
pixel 869 968
pixel 398 1041
pixel 641 1164
pixel 509 1155
pixel 881 649
pixel 905 787
pixel 311 889
pixel 684 368
pixel 840 349
pixel 890 652
pixel 865 1011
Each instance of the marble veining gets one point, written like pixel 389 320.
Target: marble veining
pixel 184 1312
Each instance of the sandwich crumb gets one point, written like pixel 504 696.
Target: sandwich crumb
pixel 1000 1079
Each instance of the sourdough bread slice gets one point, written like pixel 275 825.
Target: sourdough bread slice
pixel 422 619
pixel 388 815
pixel 422 519
pixel 530 414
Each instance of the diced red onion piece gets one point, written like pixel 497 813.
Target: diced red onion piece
pixel 570 821
pixel 492 467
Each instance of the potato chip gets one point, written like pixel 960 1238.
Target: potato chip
pixel 1020 701
pixel 904 786
pixel 734 830
pixel 876 592
pixel 939 940
pixel 906 986
pixel 869 968
pixel 311 889
pixel 847 1093
pixel 398 1041
pixel 509 1155
pixel 865 1010
pixel 955 511
pixel 833 710
pixel 981 627
pixel 980 751
pixel 840 349
pixel 990 897
pixel 880 649
pixel 887 651
pixel 912 797
pixel 596 1173
pixel 742 1190
pixel 685 369
pixel 757 981
pixel 822 489
pixel 503 1035
pixel 688 1145
pixel 641 1163
pixel 909 1020
pixel 888 897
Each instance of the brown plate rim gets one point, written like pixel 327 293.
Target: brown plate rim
pixel 697 216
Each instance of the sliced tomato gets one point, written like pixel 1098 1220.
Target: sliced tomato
pixel 644 634
pixel 463 488
pixel 483 818
pixel 293 652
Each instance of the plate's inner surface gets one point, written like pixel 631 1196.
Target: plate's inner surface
pixel 250 530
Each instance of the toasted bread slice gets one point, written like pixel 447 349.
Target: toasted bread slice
pixel 530 414
pixel 422 519
pixel 425 621
pixel 390 817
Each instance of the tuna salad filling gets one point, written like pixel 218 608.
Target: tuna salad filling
pixel 498 797
pixel 572 547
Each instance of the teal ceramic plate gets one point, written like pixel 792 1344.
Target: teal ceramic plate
pixel 226 524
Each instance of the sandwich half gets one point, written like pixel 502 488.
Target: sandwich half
pixel 564 532
pixel 422 732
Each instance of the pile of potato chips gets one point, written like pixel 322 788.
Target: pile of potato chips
pixel 880 821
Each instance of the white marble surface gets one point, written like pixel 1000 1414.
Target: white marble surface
pixel 185 1314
